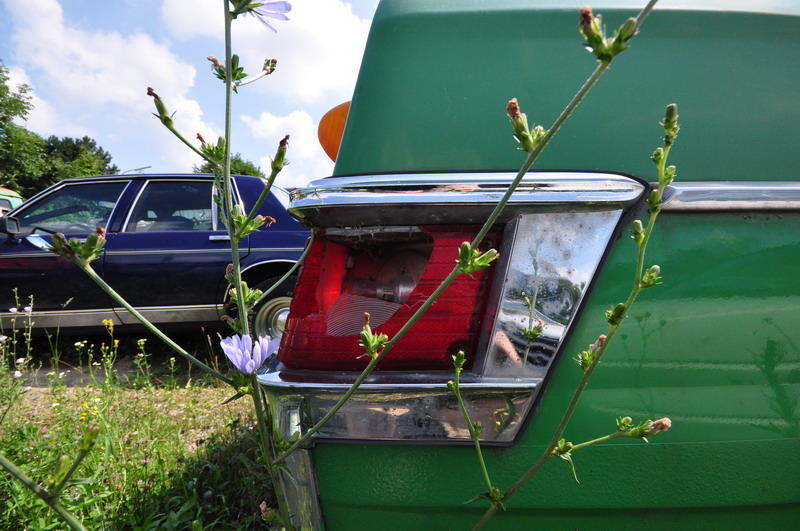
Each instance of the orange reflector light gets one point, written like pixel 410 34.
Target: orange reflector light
pixel 331 129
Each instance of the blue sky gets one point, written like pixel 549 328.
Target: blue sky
pixel 89 64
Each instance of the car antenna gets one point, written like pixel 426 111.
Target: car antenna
pixel 138 170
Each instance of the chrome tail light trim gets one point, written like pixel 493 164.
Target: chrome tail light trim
pixel 560 229
pixel 452 197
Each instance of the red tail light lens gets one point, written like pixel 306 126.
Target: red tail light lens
pixel 388 274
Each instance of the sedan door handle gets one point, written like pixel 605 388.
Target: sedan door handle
pixel 219 238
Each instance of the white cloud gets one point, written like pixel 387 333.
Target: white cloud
pixel 96 72
pixel 319 50
pixel 42 118
pixel 307 160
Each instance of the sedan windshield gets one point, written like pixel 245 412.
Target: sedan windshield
pixel 74 209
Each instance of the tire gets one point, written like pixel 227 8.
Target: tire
pixel 268 318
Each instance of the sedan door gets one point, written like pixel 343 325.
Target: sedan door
pixel 169 255
pixel 62 294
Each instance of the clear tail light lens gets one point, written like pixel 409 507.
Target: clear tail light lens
pixel 388 273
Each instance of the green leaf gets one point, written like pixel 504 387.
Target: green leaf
pixel 568 458
pixel 235 397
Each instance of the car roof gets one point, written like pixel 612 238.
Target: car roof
pixel 8 191
pixel 127 176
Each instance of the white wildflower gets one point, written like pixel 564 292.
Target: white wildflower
pixel 13 310
pixel 17 374
pixel 20 361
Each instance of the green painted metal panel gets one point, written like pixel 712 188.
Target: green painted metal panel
pixel 715 348
pixel 436 76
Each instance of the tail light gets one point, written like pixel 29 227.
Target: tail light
pixel 388 273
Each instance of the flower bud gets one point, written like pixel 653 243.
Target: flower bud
pixel 669 175
pixel 163 114
pixel 651 277
pixel 280 156
pixel 670 124
pixel 615 315
pixel 519 124
pixel 671 117
pixel 624 423
pixel 595 40
pixel 657 426
pixel 638 232
pixel 657 156
pixel 598 344
pixel 269 66
pixel 627 30
pixel 654 200
pixel 513 109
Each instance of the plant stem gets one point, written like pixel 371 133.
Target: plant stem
pixel 261 197
pixel 473 434
pixel 82 453
pixel 604 438
pixel 191 146
pixel 150 326
pixel 226 179
pixel 45 496
pixel 288 273
pixel 252 79
pixel 269 453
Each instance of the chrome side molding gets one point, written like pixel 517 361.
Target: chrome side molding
pixel 733 195
pixel 92 317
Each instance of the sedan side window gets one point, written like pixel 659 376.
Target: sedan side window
pixel 169 206
pixel 74 209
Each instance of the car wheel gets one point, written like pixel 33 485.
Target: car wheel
pixel 268 318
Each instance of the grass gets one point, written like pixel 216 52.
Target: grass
pixel 170 454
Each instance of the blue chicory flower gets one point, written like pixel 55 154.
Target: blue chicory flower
pixel 245 354
pixel 273 10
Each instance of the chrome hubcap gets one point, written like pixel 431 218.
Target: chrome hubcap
pixel 270 320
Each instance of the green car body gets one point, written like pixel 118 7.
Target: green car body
pixel 716 347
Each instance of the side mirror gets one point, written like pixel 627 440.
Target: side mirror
pixel 9 225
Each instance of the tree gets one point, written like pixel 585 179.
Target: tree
pixel 28 162
pixel 239 166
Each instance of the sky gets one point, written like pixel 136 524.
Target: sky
pixel 89 63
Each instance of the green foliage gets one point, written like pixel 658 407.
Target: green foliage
pixel 156 458
pixel 470 259
pixel 371 342
pixel 239 166
pixel 30 163
pixel 80 252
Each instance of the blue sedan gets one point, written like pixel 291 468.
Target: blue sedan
pixel 166 253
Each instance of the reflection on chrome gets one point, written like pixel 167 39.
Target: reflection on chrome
pixel 550 261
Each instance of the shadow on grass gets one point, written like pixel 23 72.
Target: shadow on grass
pixel 220 487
